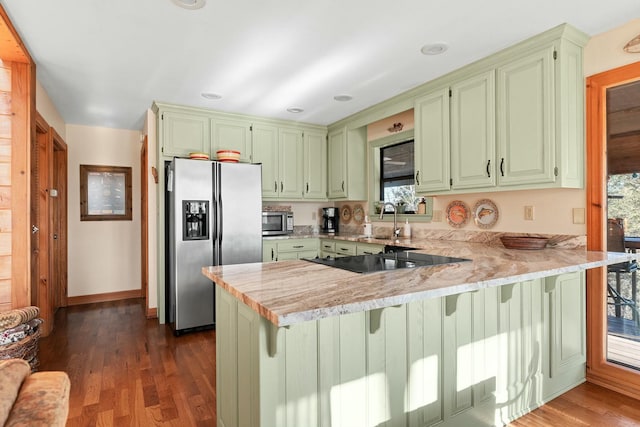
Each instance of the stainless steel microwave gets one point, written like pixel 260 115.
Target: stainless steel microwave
pixel 277 223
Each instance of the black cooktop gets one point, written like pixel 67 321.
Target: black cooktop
pixel 381 262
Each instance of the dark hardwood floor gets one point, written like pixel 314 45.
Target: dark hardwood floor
pixel 126 370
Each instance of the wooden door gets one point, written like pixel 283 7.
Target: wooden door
pixel 58 220
pixel 49 222
pixel 41 294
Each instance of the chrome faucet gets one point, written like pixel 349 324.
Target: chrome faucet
pixel 396 230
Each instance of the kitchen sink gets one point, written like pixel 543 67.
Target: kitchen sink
pixel 388 261
pixel 389 249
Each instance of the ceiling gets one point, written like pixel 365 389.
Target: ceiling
pixel 104 62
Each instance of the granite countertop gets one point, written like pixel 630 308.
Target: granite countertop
pixel 289 292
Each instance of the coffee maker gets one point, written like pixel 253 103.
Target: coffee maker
pixel 330 220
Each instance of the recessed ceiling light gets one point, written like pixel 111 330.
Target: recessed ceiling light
pixel 190 4
pixel 295 110
pixel 434 49
pixel 343 98
pixel 211 95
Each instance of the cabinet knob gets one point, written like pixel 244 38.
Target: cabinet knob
pixel 488 171
pixel 342 185
pixel 418 178
pixel 502 166
pixel 275 186
pixel 281 187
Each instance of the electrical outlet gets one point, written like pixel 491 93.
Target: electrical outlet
pixel 437 216
pixel 528 213
pixel 578 216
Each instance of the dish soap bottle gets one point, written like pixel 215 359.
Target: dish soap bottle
pixel 406 230
pixel 367 227
pixel 422 207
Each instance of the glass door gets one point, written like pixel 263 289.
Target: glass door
pixel 623 222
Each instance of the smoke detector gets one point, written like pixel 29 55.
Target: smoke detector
pixel 190 4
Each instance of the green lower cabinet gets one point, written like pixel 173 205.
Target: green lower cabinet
pixel 477 358
pixel 289 249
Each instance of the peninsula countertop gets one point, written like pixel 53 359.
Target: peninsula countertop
pixel 289 292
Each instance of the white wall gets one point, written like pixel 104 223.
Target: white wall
pixel 104 256
pixel 48 111
pixel 604 51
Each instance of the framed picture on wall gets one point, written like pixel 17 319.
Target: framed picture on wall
pixel 105 193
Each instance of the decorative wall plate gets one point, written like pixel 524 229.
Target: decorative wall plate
pixel 345 214
pixel 457 213
pixel 358 214
pixel 485 213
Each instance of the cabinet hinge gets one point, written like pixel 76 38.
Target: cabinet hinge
pixel 555 54
pixel 450 181
pixel 450 93
pixel 251 128
pixel 162 116
pixel 555 171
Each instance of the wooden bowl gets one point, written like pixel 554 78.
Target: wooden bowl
pixel 524 242
pixel 228 155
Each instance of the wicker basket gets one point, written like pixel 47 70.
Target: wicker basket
pixel 26 348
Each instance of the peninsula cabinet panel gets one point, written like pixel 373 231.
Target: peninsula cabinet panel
pixel 231 135
pixel 564 311
pixel 477 358
pixel 526 138
pixel 183 133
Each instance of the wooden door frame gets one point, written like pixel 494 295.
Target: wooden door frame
pixel 42 292
pixel 144 224
pixel 599 370
pixel 60 183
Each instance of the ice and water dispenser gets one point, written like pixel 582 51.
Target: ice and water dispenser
pixel 195 219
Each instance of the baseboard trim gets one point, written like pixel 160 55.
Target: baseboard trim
pixel 152 313
pixel 109 296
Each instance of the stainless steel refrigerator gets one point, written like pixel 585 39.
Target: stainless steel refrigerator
pixel 214 218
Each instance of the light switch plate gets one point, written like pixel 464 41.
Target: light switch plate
pixel 578 216
pixel 529 213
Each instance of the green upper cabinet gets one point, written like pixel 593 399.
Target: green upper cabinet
pixel 337 148
pixel 526 119
pixel 315 165
pixel 347 163
pixel 473 142
pixel 231 135
pixel 265 151
pixel 280 151
pixel 431 147
pixel 513 120
pixel 183 131
pixel 291 155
